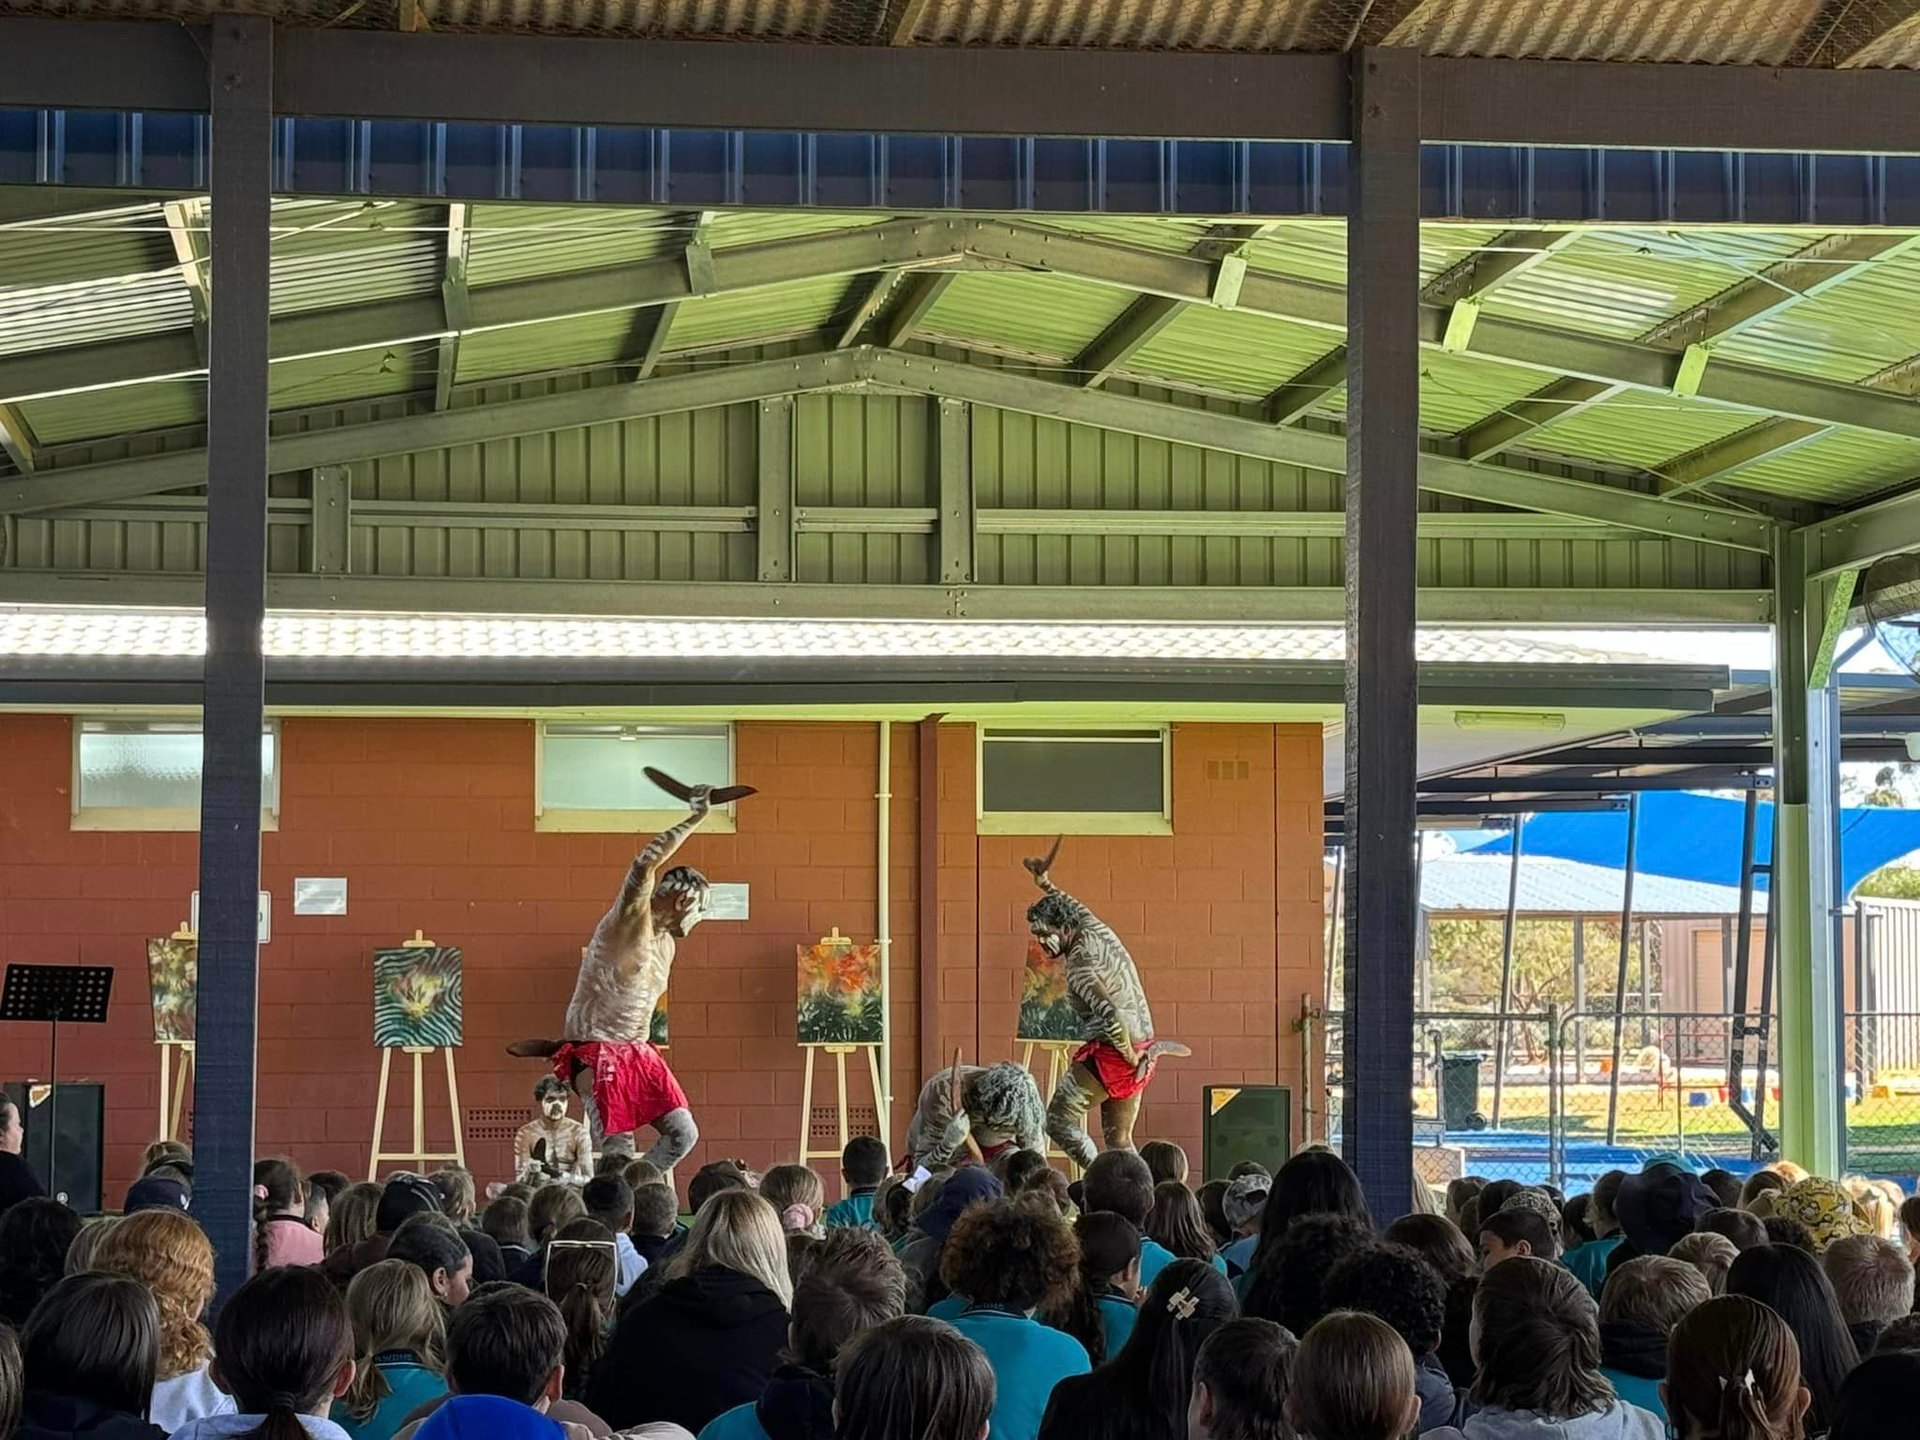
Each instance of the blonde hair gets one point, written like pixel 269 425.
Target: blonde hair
pixel 172 1257
pixel 1710 1253
pixel 786 1186
pixel 392 1307
pixel 80 1254
pixel 351 1217
pixel 739 1230
pixel 1870 1203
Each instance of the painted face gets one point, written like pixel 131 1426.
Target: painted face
pixel 1053 940
pixel 694 907
pixel 554 1107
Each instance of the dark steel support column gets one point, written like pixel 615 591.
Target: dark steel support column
pixel 1382 501
pixel 223 1087
pixel 1620 974
pixel 1511 919
pixel 927 941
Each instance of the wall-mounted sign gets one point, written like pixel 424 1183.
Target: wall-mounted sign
pixel 320 895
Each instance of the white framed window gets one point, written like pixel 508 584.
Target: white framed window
pixel 134 774
pixel 1075 782
pixel 592 776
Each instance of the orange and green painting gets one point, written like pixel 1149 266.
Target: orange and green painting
pixel 1045 1011
pixel 173 969
pixel 657 1033
pixel 840 993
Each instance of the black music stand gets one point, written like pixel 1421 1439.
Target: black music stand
pixel 49 994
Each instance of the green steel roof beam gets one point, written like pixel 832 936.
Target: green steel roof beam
pixel 1150 314
pixel 1855 539
pixel 187 232
pixel 1807 272
pixel 1493 264
pixel 866 295
pixel 17 441
pixel 1309 389
pixel 916 296
pixel 1548 405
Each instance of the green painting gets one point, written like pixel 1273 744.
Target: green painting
pixel 416 997
pixel 840 1000
pixel 1045 1012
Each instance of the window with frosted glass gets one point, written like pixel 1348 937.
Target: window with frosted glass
pixel 602 767
pixel 142 768
pixel 1082 772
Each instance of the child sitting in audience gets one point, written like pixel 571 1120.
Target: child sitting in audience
pixel 799 1195
pixel 1710 1253
pixel 506 1221
pixel 1588 1261
pixel 1166 1162
pixel 1872 1282
pixel 284 1349
pixel 399 1350
pixel 1397 1285
pixel 1352 1379
pixel 583 1270
pixel 1176 1224
pixel 1006 1256
pixel 1644 1299
pixel 1287 1278
pixel 1734 1374
pixel 609 1200
pixel 1213 1206
pixel 863 1165
pixel 1439 1242
pixel 281 1234
pixel 430 1241
pixel 1142 1391
pixel 1789 1281
pixel 1240 1383
pixel 1100 1308
pixel 1743 1229
pixel 914 1379
pixel 1516 1232
pixel 1119 1182
pixel 172 1257
pixel 656 1221
pixel 1241 1205
pixel 853 1283
pixel 90 1348
pixel 1537 1341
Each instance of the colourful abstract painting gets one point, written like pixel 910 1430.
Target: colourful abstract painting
pixel 1045 1012
pixel 173 968
pixel 416 996
pixel 840 993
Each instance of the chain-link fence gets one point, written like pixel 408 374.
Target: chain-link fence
pixel 1883 1093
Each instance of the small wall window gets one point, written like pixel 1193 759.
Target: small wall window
pixel 592 776
pixel 1081 782
pixel 145 774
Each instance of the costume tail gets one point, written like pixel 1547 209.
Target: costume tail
pixel 1171 1049
pixel 534 1049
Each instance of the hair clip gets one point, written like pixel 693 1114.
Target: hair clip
pixel 1182 1304
pixel 259 1192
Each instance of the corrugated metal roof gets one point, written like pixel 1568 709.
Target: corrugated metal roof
pixel 1640 429
pixel 1230 352
pixel 327 254
pixel 1840 468
pixel 1724 32
pixel 1847 332
pixel 1041 315
pixel 1477 884
pixel 520 242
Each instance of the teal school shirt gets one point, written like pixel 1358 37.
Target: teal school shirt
pixel 853 1212
pixel 740 1423
pixel 1028 1360
pixel 409 1386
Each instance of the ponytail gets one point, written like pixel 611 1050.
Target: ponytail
pixel 282 1421
pixel 1108 1245
pixel 585 1315
pixel 583 1270
pixel 1733 1368
pixel 283 1340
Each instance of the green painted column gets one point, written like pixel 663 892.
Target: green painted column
pixel 1805 861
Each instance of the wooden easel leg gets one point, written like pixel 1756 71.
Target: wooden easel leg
pixel 380 1114
pixel 1026 1056
pixel 840 1068
pixel 453 1098
pixel 419 1110
pixel 182 1076
pixel 166 1091
pixel 806 1109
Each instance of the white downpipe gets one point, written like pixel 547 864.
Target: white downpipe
pixel 883 908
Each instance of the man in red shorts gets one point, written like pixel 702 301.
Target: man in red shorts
pixel 620 1077
pixel 1114 1065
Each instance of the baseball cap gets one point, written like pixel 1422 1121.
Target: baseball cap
pixel 1245 1198
pixel 156 1192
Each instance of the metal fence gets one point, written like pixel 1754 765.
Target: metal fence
pixel 1565 1096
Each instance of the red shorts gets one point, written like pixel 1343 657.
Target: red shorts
pixel 1115 1071
pixel 632 1085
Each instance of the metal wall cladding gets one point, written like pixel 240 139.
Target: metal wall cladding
pixel 1138 24
pixel 1891 1038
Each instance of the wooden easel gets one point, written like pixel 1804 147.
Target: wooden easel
pixel 1059 1057
pixel 839 1052
pixel 174 1081
pixel 419 1152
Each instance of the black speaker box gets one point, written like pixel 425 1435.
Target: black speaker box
pixel 1245 1122
pixel 76 1145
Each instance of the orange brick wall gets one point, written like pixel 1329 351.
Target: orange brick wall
pixel 431 821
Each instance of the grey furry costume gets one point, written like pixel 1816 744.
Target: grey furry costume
pixel 999 1105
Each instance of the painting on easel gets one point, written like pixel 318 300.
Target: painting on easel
pixel 173 970
pixel 1046 1015
pixel 416 997
pixel 840 992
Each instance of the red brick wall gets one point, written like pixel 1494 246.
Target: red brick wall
pixel 431 821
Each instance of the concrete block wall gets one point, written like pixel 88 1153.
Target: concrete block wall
pixel 431 822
